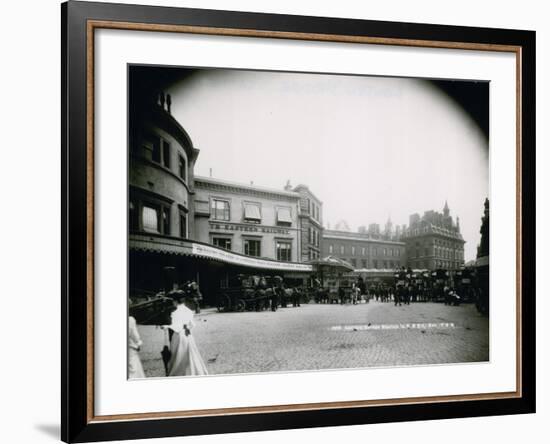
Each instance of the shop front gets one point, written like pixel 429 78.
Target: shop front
pixel 159 263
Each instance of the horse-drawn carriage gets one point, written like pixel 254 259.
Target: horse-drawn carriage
pixel 465 284
pixel 149 308
pixel 257 293
pixel 244 293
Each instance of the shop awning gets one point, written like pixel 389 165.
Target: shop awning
pixel 252 211
pixel 283 215
pixel 185 247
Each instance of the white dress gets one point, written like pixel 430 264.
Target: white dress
pixel 135 369
pixel 186 359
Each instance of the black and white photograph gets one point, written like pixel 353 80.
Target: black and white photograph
pixel 292 221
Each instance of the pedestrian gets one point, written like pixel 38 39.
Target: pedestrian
pixel 195 294
pixel 354 291
pixel 135 369
pixel 399 295
pixel 184 357
pixel 296 295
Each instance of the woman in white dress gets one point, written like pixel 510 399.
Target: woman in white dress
pixel 135 369
pixel 185 358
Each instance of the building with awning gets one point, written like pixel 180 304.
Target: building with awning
pixel 199 250
pixel 158 262
pixel 183 227
pixel 247 219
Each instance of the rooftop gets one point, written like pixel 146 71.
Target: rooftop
pixel 363 237
pixel 246 187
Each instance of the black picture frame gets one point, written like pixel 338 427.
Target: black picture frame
pixel 77 423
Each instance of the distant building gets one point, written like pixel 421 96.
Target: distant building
pixel 364 250
pixel 434 241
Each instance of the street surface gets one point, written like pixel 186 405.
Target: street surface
pixel 321 336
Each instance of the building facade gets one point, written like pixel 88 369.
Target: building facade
pixel 247 219
pixel 434 241
pixel 161 165
pixel 364 250
pixel 310 222
pixel 183 228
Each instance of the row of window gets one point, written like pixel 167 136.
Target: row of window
pixel 313 209
pixel 364 263
pixel 161 154
pixel 448 254
pixel 314 236
pixel 252 212
pixel 253 247
pixel 364 251
pixel 313 254
pixel 438 264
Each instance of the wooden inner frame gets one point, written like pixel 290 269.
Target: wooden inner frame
pixel 92 25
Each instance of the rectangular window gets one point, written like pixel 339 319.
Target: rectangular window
pixel 341 249
pixel 150 219
pixel 330 249
pixel 375 263
pixel 284 250
pixel 166 153
pixel 252 212
pixel 155 155
pixel 374 252
pixel 220 209
pixel 354 262
pixel 353 251
pixel 182 168
pixel 222 242
pixel 363 251
pixel 252 247
pixel 385 253
pixel 365 263
pixel 166 220
pixel 183 225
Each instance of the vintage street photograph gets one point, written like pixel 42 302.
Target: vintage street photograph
pixel 289 221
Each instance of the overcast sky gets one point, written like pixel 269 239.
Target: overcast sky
pixel 370 148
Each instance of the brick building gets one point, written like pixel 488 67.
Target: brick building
pixel 364 249
pixel 434 241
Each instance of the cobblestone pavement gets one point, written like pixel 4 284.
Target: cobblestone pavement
pixel 319 336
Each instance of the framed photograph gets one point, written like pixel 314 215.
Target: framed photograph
pixel 275 221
